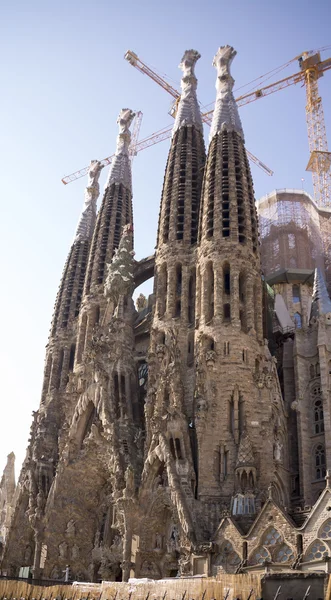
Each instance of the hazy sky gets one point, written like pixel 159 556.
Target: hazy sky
pixel 64 81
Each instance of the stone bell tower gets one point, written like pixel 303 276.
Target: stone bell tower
pixel 239 418
pixel 169 463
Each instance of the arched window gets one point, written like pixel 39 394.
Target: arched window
pixel 162 290
pixel 325 530
pixel 243 504
pixel 191 298
pixel 209 292
pixel 72 357
pixel 226 313
pixel 320 468
pixel 178 306
pixel 296 293
pixel 316 551
pixel 259 556
pixel 226 279
pixel 284 554
pixel 271 537
pixel 297 320
pixel 318 416
pixel 227 558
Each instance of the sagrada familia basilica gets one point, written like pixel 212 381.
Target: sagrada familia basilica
pixel 192 434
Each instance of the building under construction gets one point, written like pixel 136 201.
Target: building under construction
pixel 190 435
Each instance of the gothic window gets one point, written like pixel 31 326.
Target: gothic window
pixel 316 551
pixel 241 415
pixel 178 449
pixel 178 290
pixel 190 349
pixel 325 530
pixel 226 279
pixel 162 290
pixel 316 390
pixel 209 290
pixel 318 416
pixel 320 468
pixel 191 298
pixel 297 320
pixel 227 557
pixel 271 537
pixel 226 313
pixel 59 372
pixel 231 417
pixel 296 293
pixel 312 371
pixel 123 393
pixel 243 504
pixel 260 555
pixel 72 357
pixel 284 554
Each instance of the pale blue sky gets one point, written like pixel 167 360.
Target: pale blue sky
pixel 64 81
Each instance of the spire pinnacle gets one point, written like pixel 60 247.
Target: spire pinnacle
pixel 87 219
pixel 188 112
pixel 120 170
pixel 321 300
pixel 226 115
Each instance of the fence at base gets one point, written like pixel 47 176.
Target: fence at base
pixel 197 588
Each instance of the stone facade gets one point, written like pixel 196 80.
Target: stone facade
pixel 192 435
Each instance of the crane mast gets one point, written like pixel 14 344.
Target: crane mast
pixel 320 157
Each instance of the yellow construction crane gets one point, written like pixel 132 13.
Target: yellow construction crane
pixel 311 69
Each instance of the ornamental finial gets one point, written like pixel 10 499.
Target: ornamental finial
pixel 120 169
pixel 226 115
pixel 188 111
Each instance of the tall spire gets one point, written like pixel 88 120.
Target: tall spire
pixel 321 303
pixel 226 115
pixel 188 112
pixel 87 219
pixel 184 171
pixel 120 170
pixel 69 296
pixel 116 207
pixel 227 202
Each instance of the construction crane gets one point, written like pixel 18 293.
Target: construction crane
pixel 158 136
pixel 107 161
pixel 311 69
pixel 134 60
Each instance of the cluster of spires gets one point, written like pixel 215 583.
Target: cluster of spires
pixel 226 116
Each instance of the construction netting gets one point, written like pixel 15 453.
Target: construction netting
pixel 294 232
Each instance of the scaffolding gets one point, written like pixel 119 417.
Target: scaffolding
pixel 294 232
